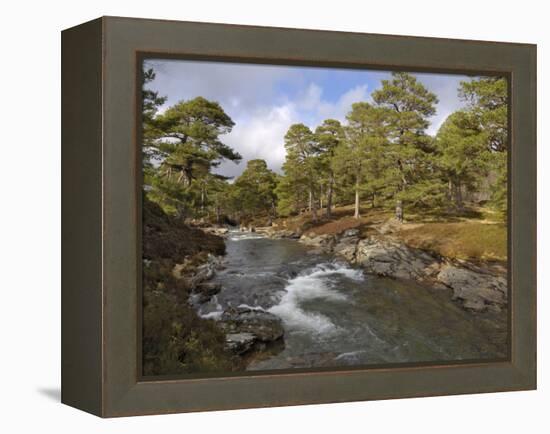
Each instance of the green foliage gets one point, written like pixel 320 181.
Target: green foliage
pixel 359 160
pixel 183 146
pixel 254 190
pixel 463 158
pixel 328 136
pixel 302 171
pixel 487 99
pixel 381 155
pixel 408 106
pixel 177 341
pixel 488 102
pixel 151 101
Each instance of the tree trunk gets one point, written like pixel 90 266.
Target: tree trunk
pixel 329 196
pixel 459 201
pixel 399 211
pixel 357 215
pixel 313 206
pixel 202 199
pixel 272 213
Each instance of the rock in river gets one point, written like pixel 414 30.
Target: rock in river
pixel 250 329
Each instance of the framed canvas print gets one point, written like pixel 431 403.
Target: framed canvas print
pixel 261 217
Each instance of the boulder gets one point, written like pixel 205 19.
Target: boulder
pixel 206 290
pixel 476 287
pixel 239 343
pixel 478 291
pixel 325 241
pixel 393 259
pixel 346 246
pixel 250 329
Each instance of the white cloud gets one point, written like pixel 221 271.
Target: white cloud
pixel 233 85
pixel 446 88
pixel 341 108
pixel 260 134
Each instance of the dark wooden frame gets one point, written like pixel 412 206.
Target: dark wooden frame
pixel 101 222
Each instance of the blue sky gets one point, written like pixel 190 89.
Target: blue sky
pixel 264 100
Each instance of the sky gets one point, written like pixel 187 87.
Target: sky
pixel 264 100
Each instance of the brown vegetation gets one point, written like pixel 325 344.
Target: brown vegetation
pixel 471 240
pixel 175 339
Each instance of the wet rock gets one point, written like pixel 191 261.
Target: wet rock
pixel 476 287
pixel 325 241
pixel 346 246
pixel 478 291
pixel 240 343
pixel 282 233
pixel 393 259
pixel 206 290
pixel 250 329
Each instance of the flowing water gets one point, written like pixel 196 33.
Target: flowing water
pixel 335 315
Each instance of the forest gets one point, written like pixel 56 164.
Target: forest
pixel 381 157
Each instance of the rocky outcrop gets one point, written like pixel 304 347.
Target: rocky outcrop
pixel 249 329
pixel 274 233
pixel 346 244
pixel 476 288
pixel 325 241
pixel 386 257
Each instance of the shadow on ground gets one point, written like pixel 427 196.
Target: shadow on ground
pixel 53 393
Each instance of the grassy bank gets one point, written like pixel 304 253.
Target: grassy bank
pixel 480 235
pixel 175 339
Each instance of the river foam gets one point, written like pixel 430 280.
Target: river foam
pixel 242 236
pixel 312 284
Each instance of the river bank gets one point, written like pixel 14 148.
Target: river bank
pixel 477 286
pixel 334 312
pixel 180 263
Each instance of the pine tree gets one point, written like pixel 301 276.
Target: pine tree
pixel 187 148
pixel 255 188
pixel 151 101
pixel 487 99
pixel 359 159
pixel 328 136
pixel 409 106
pixel 462 156
pixel 301 168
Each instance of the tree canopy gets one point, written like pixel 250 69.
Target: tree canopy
pixel 380 155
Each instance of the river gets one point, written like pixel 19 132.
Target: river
pixel 335 315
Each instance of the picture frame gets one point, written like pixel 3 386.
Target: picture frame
pixel 101 215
